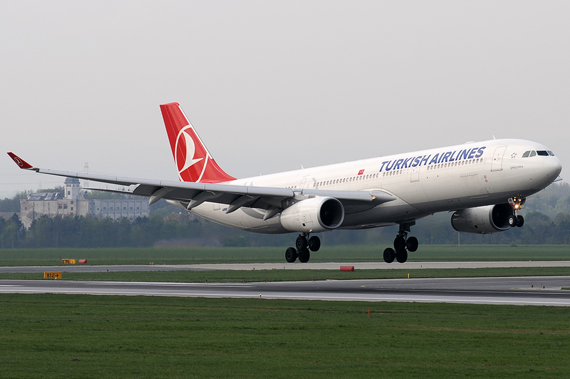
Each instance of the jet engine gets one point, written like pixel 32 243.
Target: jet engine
pixel 483 220
pixel 313 215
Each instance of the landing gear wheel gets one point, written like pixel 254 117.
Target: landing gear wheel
pixel 512 221
pixel 402 256
pixel 412 244
pixel 399 243
pixel 304 255
pixel 402 244
pixel 291 255
pixel 314 243
pixel 389 255
pixel 520 221
pixel 301 243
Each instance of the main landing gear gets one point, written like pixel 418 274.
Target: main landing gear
pixel 304 246
pixel 402 244
pixel 515 219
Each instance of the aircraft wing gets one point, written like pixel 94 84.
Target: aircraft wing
pixel 235 196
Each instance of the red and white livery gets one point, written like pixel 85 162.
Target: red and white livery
pixel 484 184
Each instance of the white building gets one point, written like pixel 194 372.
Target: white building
pixel 73 204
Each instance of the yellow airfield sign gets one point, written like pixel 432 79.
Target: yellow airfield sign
pixel 52 275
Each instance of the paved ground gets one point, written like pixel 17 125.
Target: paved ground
pixel 513 291
pixel 284 266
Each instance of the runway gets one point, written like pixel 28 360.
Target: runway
pixel 544 291
pixel 285 266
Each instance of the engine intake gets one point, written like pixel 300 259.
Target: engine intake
pixel 483 220
pixel 317 214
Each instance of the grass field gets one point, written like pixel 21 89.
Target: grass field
pixel 357 253
pixel 68 336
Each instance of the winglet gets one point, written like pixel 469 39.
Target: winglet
pixel 20 162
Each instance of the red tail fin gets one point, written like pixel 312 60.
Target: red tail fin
pixel 193 161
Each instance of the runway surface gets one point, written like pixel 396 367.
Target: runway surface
pixel 513 291
pixel 284 266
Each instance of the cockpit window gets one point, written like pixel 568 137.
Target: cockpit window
pixel 542 153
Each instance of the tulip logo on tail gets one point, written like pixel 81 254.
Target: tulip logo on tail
pixel 18 162
pixel 193 161
pixel 190 157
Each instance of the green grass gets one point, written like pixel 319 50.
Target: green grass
pixel 225 276
pixel 356 253
pixel 69 336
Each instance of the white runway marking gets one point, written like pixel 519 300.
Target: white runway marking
pixel 449 290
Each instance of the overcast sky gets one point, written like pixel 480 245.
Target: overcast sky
pixel 271 86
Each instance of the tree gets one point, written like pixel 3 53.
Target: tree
pixel 41 232
pixel 13 232
pixel 13 204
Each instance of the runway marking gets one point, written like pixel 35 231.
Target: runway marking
pixel 307 296
pixel 395 290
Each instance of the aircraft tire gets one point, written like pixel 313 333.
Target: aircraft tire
pixel 389 255
pixel 314 243
pixel 402 256
pixel 301 243
pixel 412 244
pixel 520 221
pixel 512 221
pixel 304 255
pixel 399 243
pixel 291 255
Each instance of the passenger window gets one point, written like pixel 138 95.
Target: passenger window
pixel 526 154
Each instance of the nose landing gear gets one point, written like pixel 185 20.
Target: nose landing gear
pixel 402 244
pixel 516 203
pixel 303 247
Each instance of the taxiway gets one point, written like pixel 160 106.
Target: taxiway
pixel 285 266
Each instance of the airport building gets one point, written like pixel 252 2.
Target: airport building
pixel 72 203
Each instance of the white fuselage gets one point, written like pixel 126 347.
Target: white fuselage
pixel 424 182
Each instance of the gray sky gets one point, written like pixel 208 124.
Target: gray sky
pixel 271 86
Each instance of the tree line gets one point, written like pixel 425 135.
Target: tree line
pixel 547 221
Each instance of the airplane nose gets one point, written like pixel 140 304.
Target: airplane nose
pixel 546 172
pixel 553 168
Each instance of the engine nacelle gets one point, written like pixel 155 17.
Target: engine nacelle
pixel 313 215
pixel 482 220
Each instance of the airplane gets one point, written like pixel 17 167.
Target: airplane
pixel 484 184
